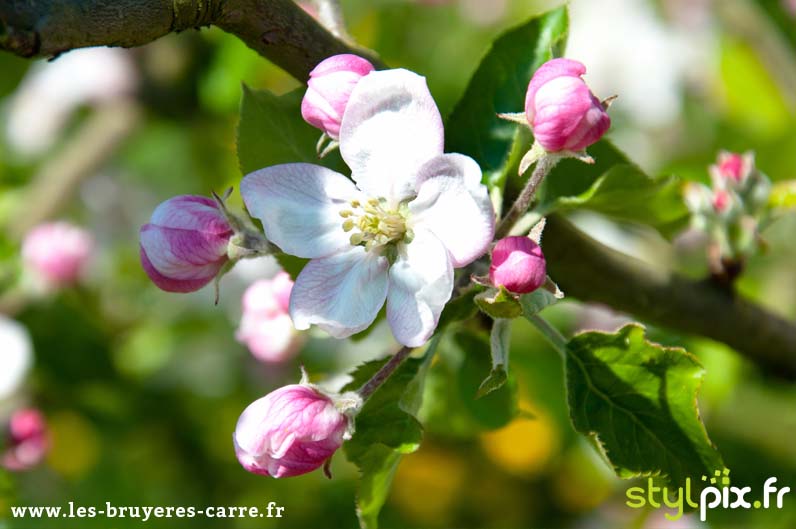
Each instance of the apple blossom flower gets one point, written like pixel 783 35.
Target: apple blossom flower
pixel 184 246
pixel 27 440
pixel 411 215
pixel 16 357
pixel 518 264
pixel 266 328
pixel 329 89
pixel 57 252
pixel 291 431
pixel 562 111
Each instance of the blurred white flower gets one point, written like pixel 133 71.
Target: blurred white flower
pixel 631 52
pixel 16 356
pixel 51 91
pixel 483 12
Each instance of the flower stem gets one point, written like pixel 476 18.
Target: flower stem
pixel 552 335
pixel 543 166
pixel 381 376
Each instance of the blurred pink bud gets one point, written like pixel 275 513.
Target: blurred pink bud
pixel 57 252
pixel 732 167
pixel 564 114
pixel 184 246
pixel 518 264
pixel 328 90
pixel 291 431
pixel 266 328
pixel 27 440
pixel 721 200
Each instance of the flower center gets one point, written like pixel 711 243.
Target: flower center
pixel 374 225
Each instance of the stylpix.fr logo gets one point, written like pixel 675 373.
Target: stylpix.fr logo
pixel 718 494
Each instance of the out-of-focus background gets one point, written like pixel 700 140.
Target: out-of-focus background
pixel 141 389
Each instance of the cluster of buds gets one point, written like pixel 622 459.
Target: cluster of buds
pixel 730 211
pixel 192 240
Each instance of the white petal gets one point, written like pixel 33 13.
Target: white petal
pixel 390 128
pixel 421 282
pixel 299 205
pixel 341 294
pixel 16 358
pixel 453 204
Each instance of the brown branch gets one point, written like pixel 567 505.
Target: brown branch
pixel 589 271
pixel 277 29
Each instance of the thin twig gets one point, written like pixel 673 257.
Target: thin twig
pixel 384 373
pixel 555 338
pixel 85 153
pixel 543 166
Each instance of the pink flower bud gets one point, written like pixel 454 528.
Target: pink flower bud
pixel 564 114
pixel 184 246
pixel 518 265
pixel 57 252
pixel 328 90
pixel 291 431
pixel 27 440
pixel 266 328
pixel 721 200
pixel 732 168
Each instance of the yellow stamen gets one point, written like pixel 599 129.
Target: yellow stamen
pixel 375 225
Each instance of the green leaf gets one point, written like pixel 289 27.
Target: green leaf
pixel 460 308
pixel 536 301
pixel 385 429
pixel 272 132
pixel 499 340
pixel 450 405
pixel 638 401
pixel 291 264
pixel 498 303
pixel 625 193
pixel 499 85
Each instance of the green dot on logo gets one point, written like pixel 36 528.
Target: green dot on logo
pixel 756 504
